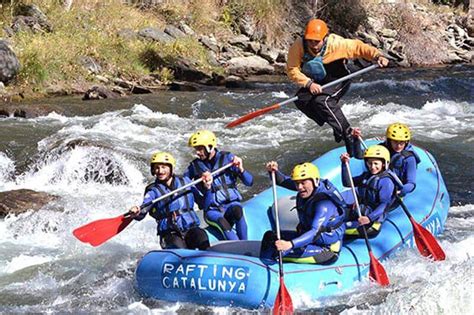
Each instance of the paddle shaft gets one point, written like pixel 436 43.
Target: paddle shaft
pixel 332 83
pixel 267 109
pixel 356 201
pixel 194 182
pixel 277 221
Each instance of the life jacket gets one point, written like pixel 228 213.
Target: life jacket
pixel 398 161
pixel 176 211
pixel 306 207
pixel 313 66
pixel 369 191
pixel 224 185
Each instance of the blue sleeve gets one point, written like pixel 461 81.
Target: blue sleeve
pixel 386 188
pixel 410 184
pixel 203 200
pixel 308 237
pixel 145 206
pixel 246 178
pixel 189 171
pixel 284 180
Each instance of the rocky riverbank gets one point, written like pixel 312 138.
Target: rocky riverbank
pixel 413 34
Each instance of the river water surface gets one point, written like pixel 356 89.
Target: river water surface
pixel 94 156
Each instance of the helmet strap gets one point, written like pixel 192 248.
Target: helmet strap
pixel 316 182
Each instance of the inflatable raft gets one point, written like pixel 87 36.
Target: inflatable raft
pixel 230 273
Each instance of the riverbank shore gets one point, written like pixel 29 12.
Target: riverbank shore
pixel 111 49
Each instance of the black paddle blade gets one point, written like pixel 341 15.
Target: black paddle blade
pixel 283 304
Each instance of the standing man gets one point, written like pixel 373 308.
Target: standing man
pixel 318 58
pixel 225 209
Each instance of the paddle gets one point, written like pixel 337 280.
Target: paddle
pixel 265 110
pixel 100 231
pixel 426 243
pixel 283 304
pixel 377 272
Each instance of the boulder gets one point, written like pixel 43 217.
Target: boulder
pixel 29 24
pixel 90 64
pixel 32 17
pixel 99 92
pixel 210 42
pixel 173 31
pixel 269 53
pixel 249 65
pixel 247 26
pixel 31 10
pixel 187 70
pixel 22 200
pixel 9 63
pixel 27 110
pixel 186 29
pixel 253 47
pixel 154 34
pixel 240 41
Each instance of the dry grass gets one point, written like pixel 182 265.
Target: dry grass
pixel 90 29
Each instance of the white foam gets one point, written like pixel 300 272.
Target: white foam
pixel 7 169
pixel 279 94
pixel 24 261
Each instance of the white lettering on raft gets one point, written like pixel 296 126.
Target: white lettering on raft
pixel 204 277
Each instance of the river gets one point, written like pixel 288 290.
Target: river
pixel 44 269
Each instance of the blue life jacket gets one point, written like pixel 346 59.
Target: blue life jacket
pixel 224 185
pixel 176 211
pixel 306 207
pixel 398 161
pixel 313 66
pixel 369 191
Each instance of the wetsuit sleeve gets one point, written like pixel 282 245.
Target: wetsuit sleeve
pixel 203 200
pixel 358 149
pixel 246 178
pixel 293 65
pixel 410 184
pixel 284 180
pixel 189 171
pixel 308 237
pixel 386 188
pixel 149 196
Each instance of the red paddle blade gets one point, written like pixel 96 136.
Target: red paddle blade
pixel 252 115
pixel 377 272
pixel 426 243
pixel 100 231
pixel 283 304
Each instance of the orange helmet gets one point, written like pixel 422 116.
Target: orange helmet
pixel 316 29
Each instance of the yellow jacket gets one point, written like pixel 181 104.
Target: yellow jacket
pixel 337 47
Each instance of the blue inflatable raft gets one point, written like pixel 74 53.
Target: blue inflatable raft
pixel 231 274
